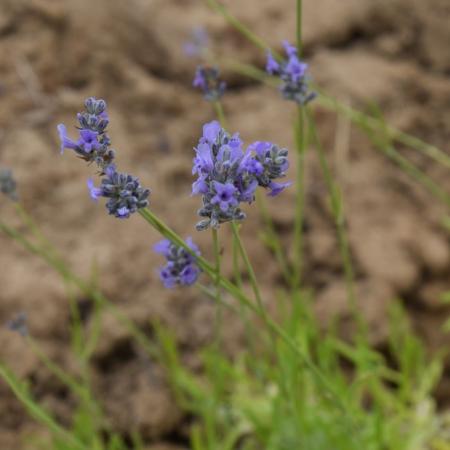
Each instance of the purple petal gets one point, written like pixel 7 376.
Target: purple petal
pixel 162 247
pixel 95 192
pixel 272 67
pixel 276 188
pixel 66 142
pixel 211 130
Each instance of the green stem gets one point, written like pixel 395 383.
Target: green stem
pixel 300 198
pixel 37 412
pixel 299 27
pixel 273 240
pixel 249 267
pixel 220 113
pixel 219 311
pixel 337 209
pixel 235 23
pixel 236 292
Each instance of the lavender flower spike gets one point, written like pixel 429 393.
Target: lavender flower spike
pixel 181 268
pixel 293 74
pixel 228 176
pixel 8 185
pixel 207 79
pixel 93 144
pixel 124 193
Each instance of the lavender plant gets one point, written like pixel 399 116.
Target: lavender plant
pixel 292 394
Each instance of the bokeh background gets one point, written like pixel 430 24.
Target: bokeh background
pixel 55 53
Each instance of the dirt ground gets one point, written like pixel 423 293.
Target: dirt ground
pixel 56 53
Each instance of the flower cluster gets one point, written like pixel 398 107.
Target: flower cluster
pixel 293 73
pixel 93 144
pixel 207 79
pixel 228 176
pixel 124 193
pixel 198 45
pixel 181 268
pixel 8 185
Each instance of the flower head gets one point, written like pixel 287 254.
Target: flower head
pixel 124 193
pixel 8 185
pixel 93 144
pixel 207 79
pixel 293 73
pixel 181 268
pixel 229 176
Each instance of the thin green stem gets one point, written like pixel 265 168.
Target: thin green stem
pixel 37 411
pixel 337 208
pixel 75 386
pixel 220 113
pixel 374 124
pixel 273 240
pixel 238 25
pixel 299 27
pixel 235 291
pixel 248 266
pixel 219 311
pixel 300 198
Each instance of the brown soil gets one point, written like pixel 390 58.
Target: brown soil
pixel 393 52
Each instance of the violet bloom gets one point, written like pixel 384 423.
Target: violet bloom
pixel 225 196
pixel 228 176
pixel 181 268
pixel 207 79
pixel 93 144
pixel 294 75
pixel 124 193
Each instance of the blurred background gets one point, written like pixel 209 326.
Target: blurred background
pixel 55 53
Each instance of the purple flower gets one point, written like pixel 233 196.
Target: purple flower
pixel 293 74
pixel 228 176
pixel 88 140
pixel 203 161
pixel 181 268
pixel 95 192
pixel 225 195
pixel 207 80
pixel 290 49
pixel 272 67
pixel 211 131
pixel 123 191
pixel 66 142
pixel 276 188
pixel 93 144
